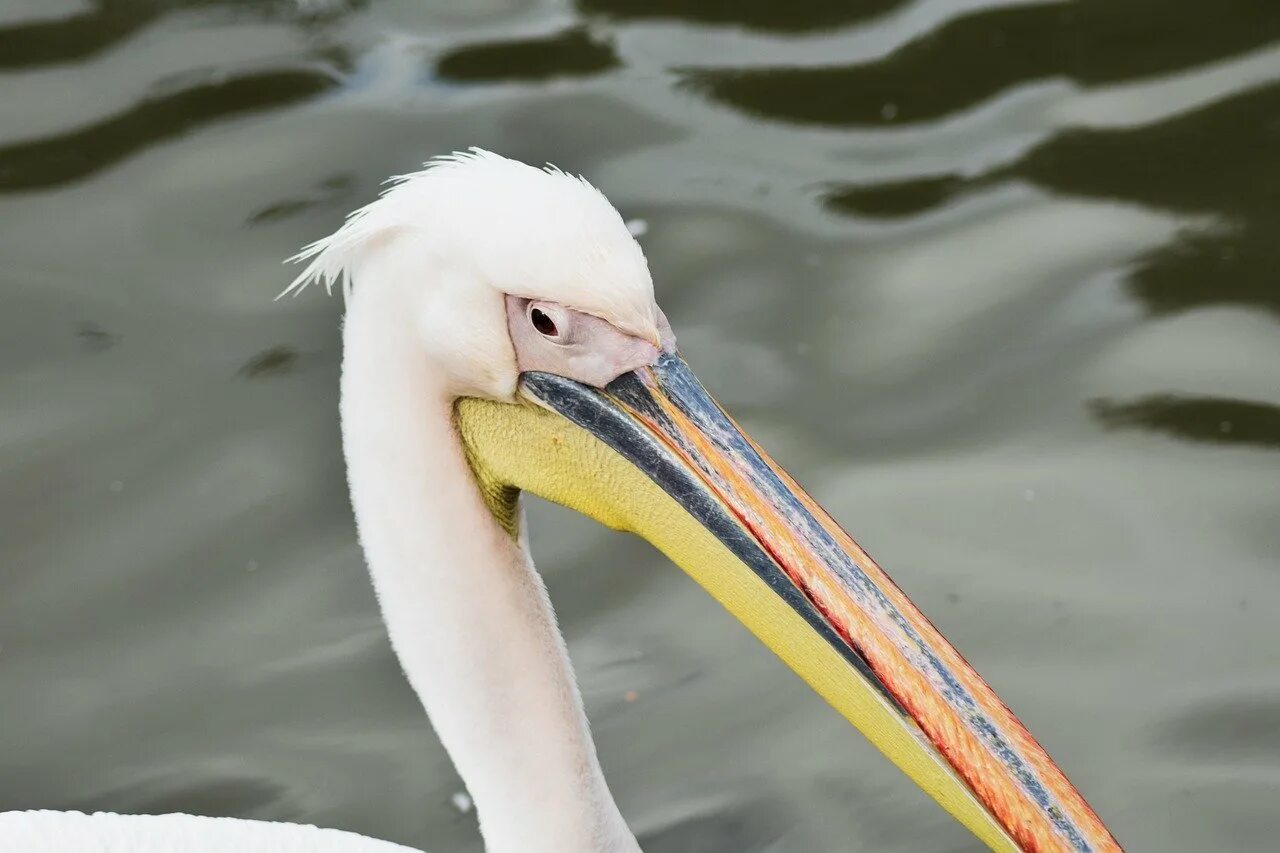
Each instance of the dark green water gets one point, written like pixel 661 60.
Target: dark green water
pixel 999 283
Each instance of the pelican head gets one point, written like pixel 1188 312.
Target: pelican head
pixel 517 298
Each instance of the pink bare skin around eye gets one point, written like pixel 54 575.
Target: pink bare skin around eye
pixel 584 347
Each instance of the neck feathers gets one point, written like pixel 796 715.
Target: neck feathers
pixel 466 612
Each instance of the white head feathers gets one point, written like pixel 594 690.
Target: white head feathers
pixel 535 233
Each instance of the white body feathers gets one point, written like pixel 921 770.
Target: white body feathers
pixel 104 832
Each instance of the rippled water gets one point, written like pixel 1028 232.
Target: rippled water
pixel 997 282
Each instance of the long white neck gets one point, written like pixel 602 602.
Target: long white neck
pixel 467 613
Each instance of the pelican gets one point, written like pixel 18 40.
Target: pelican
pixel 501 337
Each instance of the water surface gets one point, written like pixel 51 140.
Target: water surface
pixel 997 282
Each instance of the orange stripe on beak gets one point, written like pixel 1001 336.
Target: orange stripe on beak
pixel 1008 771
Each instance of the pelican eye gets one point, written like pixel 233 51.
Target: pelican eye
pixel 543 323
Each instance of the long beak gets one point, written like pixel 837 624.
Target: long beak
pixel 736 522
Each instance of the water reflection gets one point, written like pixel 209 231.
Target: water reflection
pixel 1201 162
pixel 43 163
pixel 329 191
pixel 794 16
pixel 1231 265
pixel 1235 728
pixel 274 361
pixel 1210 420
pixel 1196 162
pixel 575 52
pixel 971 58
pixel 108 22
pixel 76 36
pixel 894 199
pixel 95 338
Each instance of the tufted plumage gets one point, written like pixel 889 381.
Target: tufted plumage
pixel 536 233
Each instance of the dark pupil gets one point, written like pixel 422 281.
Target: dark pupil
pixel 543 323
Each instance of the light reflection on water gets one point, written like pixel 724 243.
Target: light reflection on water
pixel 997 282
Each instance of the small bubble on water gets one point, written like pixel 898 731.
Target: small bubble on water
pixel 637 227
pixel 889 111
pixel 1224 427
pixel 116 487
pixel 461 801
pixel 251 566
